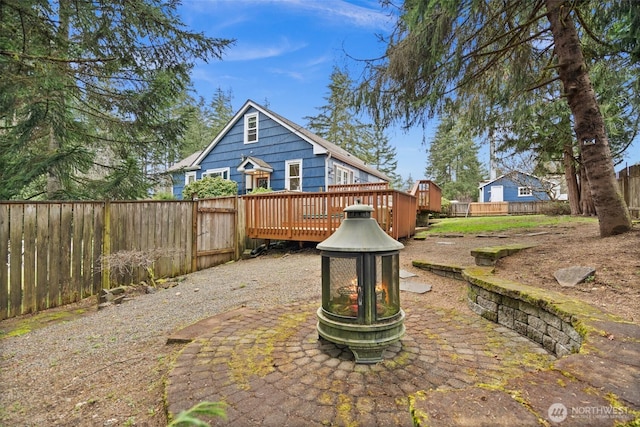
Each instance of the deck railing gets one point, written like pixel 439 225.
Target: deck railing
pixel 428 195
pixel 312 217
pixel 359 187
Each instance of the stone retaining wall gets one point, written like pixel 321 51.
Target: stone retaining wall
pixel 539 325
pixel 531 312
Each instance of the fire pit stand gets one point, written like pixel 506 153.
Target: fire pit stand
pixel 361 287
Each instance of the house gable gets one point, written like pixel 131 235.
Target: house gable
pixel 276 143
pixel 514 187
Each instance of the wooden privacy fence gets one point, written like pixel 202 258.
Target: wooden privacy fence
pixel 312 217
pixel 49 254
pixel 498 208
pixel 55 253
pixel 629 184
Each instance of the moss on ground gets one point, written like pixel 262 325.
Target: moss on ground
pixel 27 324
pixel 257 360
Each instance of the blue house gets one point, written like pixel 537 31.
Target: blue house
pixel 517 187
pixel 259 148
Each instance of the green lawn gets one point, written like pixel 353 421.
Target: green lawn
pixel 488 224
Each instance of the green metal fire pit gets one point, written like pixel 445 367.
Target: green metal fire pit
pixel 361 287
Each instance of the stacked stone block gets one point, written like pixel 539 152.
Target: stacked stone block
pixel 555 333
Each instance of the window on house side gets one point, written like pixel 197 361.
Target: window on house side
pixel 222 173
pixel 524 191
pixel 251 128
pixel 293 178
pixel 189 177
pixel 344 175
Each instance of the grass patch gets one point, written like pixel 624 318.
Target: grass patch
pixel 487 224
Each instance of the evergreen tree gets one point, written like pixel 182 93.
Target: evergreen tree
pixel 452 162
pixel 88 93
pixel 381 154
pixel 205 121
pixel 479 48
pixel 408 184
pixel 337 121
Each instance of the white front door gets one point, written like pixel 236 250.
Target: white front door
pixel 496 194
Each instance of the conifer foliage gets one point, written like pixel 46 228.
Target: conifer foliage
pixel 87 94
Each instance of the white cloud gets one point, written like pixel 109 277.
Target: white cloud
pixel 366 14
pixel 361 16
pixel 289 73
pixel 247 52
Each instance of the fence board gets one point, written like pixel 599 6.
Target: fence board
pixel 76 247
pixel 67 293
pixel 4 261
pixel 42 256
pixel 29 301
pixel 96 244
pixel 54 255
pixel 15 260
pixel 87 249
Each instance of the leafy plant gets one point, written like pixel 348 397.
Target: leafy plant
pixel 260 190
pixel 190 416
pixel 209 187
pixel 163 195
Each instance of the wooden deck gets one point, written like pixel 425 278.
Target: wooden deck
pixel 428 195
pixel 312 217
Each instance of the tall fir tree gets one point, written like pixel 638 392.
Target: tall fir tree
pixel 205 121
pixel 476 48
pixel 452 162
pixel 338 122
pixel 88 94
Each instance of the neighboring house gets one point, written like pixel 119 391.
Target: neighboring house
pixel 259 148
pixel 518 187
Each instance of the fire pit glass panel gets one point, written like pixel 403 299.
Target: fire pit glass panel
pixel 345 293
pixel 387 295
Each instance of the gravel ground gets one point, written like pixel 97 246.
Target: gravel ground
pixel 108 367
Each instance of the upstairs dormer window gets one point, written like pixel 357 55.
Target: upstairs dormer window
pixel 250 128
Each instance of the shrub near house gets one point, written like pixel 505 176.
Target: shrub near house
pixel 208 187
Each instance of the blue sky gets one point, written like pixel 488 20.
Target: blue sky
pixel 285 51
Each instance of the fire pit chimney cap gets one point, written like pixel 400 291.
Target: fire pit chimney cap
pixel 359 233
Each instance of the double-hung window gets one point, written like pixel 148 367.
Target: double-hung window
pixel 344 175
pixel 293 175
pixel 221 172
pixel 189 177
pixel 250 128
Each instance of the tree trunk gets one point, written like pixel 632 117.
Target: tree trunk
pixel 573 191
pixel 586 201
pixel 613 215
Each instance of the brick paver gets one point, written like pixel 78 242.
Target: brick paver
pixel 271 370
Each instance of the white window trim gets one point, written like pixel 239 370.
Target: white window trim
pixel 188 175
pixel 248 117
pixel 287 176
pixel 351 174
pixel 218 172
pixel 525 192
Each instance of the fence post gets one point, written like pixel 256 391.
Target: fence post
pixel 106 247
pixel 194 236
